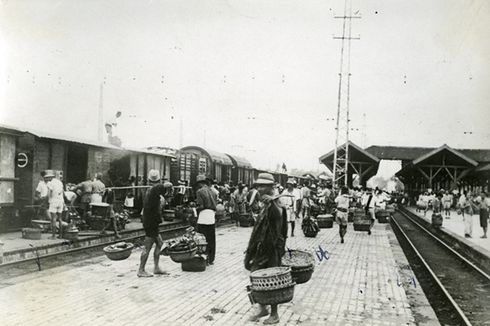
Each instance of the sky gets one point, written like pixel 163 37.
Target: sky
pixel 252 78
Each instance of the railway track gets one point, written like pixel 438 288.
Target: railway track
pixel 43 262
pixel 457 289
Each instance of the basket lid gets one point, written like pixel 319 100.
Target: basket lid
pixel 272 271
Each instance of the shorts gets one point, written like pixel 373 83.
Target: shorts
pixel 152 232
pixel 56 207
pixel 341 217
pixel 483 218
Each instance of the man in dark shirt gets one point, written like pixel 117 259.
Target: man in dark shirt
pixel 206 222
pixel 151 219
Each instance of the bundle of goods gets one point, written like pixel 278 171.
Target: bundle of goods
pixel 382 215
pixel 302 265
pixel 310 227
pixel 437 220
pixel 362 222
pixel 421 204
pixel 31 233
pixel 195 264
pixel 118 251
pixel 246 220
pixel 271 286
pixel 168 215
pixel 325 221
pixel 181 250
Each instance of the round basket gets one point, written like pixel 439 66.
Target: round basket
pixel 195 264
pixel 325 221
pixel 274 297
pixel 180 256
pixel 302 265
pixel 310 234
pixel 269 279
pixel 302 275
pixel 119 251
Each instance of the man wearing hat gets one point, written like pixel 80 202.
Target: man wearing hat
pixel 206 201
pixel 268 239
pixel 368 202
pixel 152 217
pixel 56 201
pixel 42 195
pixel 289 202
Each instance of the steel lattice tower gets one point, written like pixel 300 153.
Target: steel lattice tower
pixel 341 151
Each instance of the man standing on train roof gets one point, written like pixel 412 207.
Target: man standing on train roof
pixel 268 239
pixel 206 201
pixel 152 217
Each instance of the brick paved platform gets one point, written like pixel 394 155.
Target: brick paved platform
pixel 364 281
pixel 455 225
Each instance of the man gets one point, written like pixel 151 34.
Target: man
pixel 84 190
pixel 484 207
pixel 56 202
pixel 206 222
pixel 152 217
pixel 98 188
pixel 289 202
pixel 41 196
pixel 368 202
pixel 342 202
pixel 268 239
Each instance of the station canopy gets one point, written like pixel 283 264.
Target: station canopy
pixel 361 162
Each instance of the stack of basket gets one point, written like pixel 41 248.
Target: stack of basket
pixel 271 286
pixel 362 222
pixel 325 221
pixel 302 265
pixel 382 215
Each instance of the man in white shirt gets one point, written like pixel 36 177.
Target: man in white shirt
pixel 56 202
pixel 42 196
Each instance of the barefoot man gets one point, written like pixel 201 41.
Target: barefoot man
pixel 151 219
pixel 268 239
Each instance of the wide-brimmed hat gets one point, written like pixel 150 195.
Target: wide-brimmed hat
pixel 291 181
pixel 168 184
pixel 49 174
pixel 264 179
pixel 201 178
pixel 154 175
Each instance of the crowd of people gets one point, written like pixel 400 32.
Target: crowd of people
pixel 465 203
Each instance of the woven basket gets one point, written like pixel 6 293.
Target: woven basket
pixel 168 215
pixel 362 225
pixel 180 256
pixel 269 279
pixel 31 233
pixel 325 221
pixel 117 253
pixel 195 264
pixel 302 275
pixel 274 297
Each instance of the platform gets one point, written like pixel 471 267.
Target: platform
pixel 454 225
pixel 364 281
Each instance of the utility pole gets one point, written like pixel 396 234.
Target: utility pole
pixel 341 155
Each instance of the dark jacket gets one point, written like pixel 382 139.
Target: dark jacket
pixel 152 215
pixel 268 239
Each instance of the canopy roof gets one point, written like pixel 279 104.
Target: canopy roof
pixel 356 154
